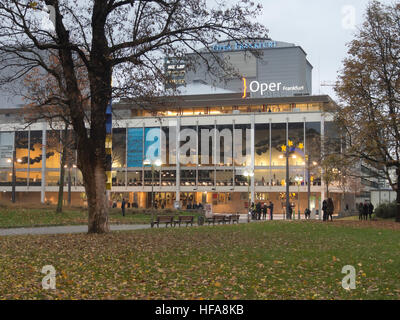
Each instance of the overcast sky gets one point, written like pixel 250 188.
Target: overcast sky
pixel 321 27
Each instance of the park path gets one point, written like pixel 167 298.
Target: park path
pixel 83 228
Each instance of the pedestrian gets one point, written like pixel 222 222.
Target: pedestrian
pixel 123 207
pixel 325 210
pixel 290 212
pixel 307 214
pixel 258 208
pixel 331 209
pixel 360 208
pixel 253 211
pixel 271 210
pixel 365 211
pixel 264 211
pixel 370 210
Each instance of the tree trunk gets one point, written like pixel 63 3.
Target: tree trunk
pixel 398 196
pixel 69 185
pixel 62 171
pixel 95 186
pixel 61 186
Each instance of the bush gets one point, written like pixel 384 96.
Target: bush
pixel 386 210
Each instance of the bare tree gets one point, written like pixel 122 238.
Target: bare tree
pixel 126 39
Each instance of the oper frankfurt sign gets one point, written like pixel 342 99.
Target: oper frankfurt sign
pixel 262 88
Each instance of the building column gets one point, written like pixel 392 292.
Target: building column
pixel 322 170
pixel 252 165
pixel 44 142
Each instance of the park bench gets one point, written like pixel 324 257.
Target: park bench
pixel 235 218
pixel 216 219
pixel 163 219
pixel 184 219
pixel 227 219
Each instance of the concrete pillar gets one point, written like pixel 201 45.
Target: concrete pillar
pixel 322 170
pixel 252 165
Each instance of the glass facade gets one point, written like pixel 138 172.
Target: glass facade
pixel 214 153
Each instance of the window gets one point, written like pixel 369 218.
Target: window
pixel 261 145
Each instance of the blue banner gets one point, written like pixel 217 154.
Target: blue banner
pixel 135 147
pixel 152 144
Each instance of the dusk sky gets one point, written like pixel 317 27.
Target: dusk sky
pixel 321 28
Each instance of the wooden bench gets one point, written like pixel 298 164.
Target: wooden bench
pixel 163 219
pixel 184 219
pixel 227 219
pixel 235 218
pixel 216 219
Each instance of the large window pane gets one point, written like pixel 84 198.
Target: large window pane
pixel 224 145
pixel 296 136
pixel 261 144
pixel 135 178
pixel 224 178
pixel 242 145
pixel 188 178
pixel 206 178
pixel 168 178
pixel 54 141
pixel 188 146
pixel 6 149
pixel 278 139
pixel 206 142
pixel 261 178
pixel 313 141
pixel 332 138
pixel 36 149
pixel 119 148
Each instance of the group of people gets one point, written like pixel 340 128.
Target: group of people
pixel 365 210
pixel 328 209
pixel 260 210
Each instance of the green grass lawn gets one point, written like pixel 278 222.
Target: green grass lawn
pixel 20 217
pixel 278 260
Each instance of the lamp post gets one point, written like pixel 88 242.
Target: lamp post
pixel 299 180
pixel 248 174
pixel 156 163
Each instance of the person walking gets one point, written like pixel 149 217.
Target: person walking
pixel 331 209
pixel 123 207
pixel 271 211
pixel 324 210
pixel 370 210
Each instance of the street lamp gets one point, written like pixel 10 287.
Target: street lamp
pixel 248 174
pixel 299 180
pixel 155 163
